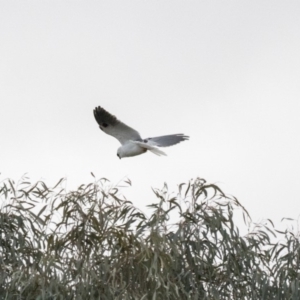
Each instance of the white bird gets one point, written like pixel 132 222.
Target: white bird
pixel 130 139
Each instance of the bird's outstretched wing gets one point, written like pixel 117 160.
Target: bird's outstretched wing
pixel 166 140
pixel 112 126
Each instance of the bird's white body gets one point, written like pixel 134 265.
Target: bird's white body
pixel 130 149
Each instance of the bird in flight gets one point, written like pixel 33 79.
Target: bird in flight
pixel 130 139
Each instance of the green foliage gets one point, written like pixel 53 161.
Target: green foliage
pixel 91 244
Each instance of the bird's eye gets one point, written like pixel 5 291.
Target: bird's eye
pixel 104 125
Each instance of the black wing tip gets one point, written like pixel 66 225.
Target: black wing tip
pixel 103 116
pixel 99 110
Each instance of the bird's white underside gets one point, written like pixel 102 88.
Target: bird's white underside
pixel 133 148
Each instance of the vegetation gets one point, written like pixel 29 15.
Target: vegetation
pixel 91 244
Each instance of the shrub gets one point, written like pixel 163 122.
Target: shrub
pixel 93 244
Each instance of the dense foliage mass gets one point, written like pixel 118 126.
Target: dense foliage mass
pixel 91 244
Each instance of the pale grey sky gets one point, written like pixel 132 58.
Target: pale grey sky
pixel 226 73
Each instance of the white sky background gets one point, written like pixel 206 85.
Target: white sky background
pixel 226 73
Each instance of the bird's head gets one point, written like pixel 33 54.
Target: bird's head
pixel 120 153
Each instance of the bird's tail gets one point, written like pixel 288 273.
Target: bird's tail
pixel 151 148
pixel 157 151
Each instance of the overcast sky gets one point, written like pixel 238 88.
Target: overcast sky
pixel 226 73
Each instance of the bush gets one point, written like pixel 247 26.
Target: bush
pixel 92 244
